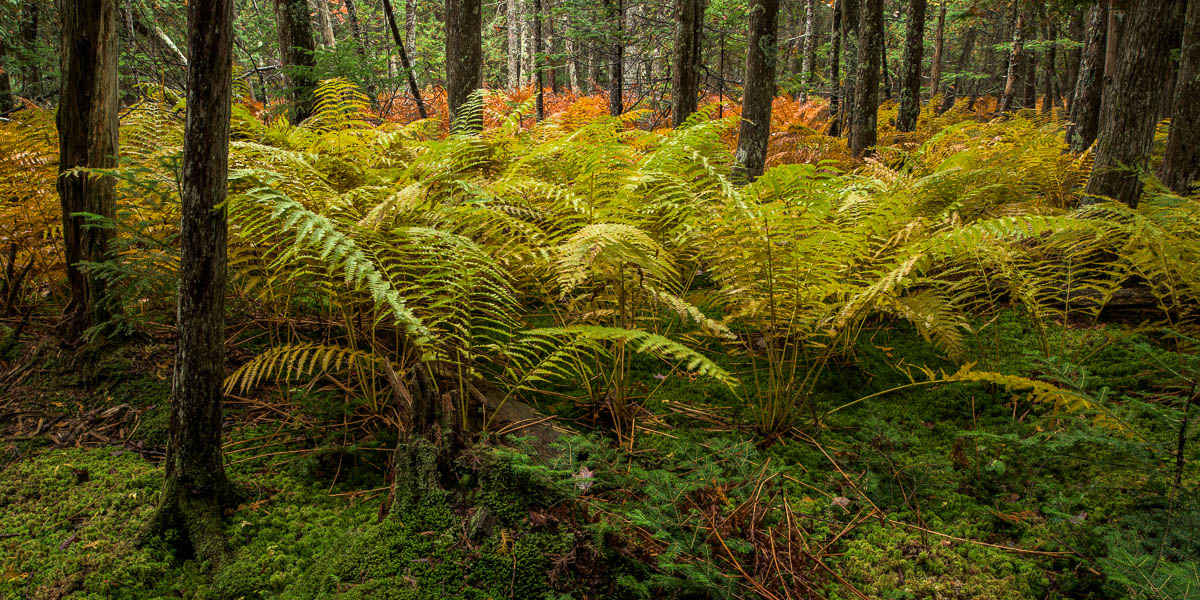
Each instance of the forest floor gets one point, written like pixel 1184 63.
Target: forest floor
pixel 948 491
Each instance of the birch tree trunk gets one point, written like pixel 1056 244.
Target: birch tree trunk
pixel 939 42
pixel 514 22
pixel 326 22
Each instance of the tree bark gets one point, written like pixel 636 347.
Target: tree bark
pixel 914 45
pixel 835 74
pixel 87 136
pixel 1015 61
pixel 866 82
pixel 960 68
pixel 1073 57
pixel 808 64
pixel 296 48
pixel 850 10
pixel 616 67
pixel 751 156
pixel 540 106
pixel 939 41
pixel 410 31
pixel 1181 164
pixel 326 22
pixel 7 101
pixel 1089 85
pixel 1049 70
pixel 464 62
pixel 390 15
pixel 685 78
pixel 196 488
pixel 1127 119
pixel 1029 79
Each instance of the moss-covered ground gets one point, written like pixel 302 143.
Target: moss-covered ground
pixel 955 491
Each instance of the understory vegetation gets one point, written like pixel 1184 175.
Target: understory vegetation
pixel 939 372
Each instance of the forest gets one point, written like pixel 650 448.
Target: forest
pixel 600 299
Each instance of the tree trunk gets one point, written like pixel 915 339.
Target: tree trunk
pixel 464 62
pixel 326 22
pixel 685 78
pixel 835 75
pixel 850 17
pixel 616 75
pixel 1181 164
pixel 554 46
pixel 1089 85
pixel 410 31
pixel 808 64
pixel 910 91
pixel 959 68
pixel 1128 116
pixel 866 82
pixel 1078 30
pixel 87 137
pixel 1049 71
pixel 415 91
pixel 361 43
pixel 296 49
pixel 939 42
pixel 1015 61
pixel 30 76
pixel 1029 80
pixel 513 20
pixel 196 489
pixel 751 156
pixel 537 60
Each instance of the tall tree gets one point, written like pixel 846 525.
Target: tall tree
pixel 1089 84
pixel 1016 60
pixel 808 65
pixel 410 31
pixel 87 137
pixel 326 22
pixel 296 48
pixel 914 45
pixel 835 74
pixel 464 61
pixel 685 77
pixel 196 489
pixel 1181 163
pixel 537 60
pixel 1078 30
pixel 866 82
pixel 751 156
pixel 616 57
pixel 1128 118
pixel 513 23
pixel 405 62
pixel 849 58
pixel 939 43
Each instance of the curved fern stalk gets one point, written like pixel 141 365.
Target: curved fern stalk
pixel 286 363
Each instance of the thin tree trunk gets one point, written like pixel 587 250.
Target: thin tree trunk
pixel 1029 80
pixel 1128 115
pixel 464 62
pixel 835 75
pixel 30 77
pixel 537 60
pixel 361 44
pixel 616 76
pixel 910 91
pixel 1049 71
pixel 513 21
pixel 553 45
pixel 751 156
pixel 939 42
pixel 960 68
pixel 808 65
pixel 863 123
pixel 850 18
pixel 410 31
pixel 1015 61
pixel 685 79
pixel 296 47
pixel 390 15
pixel 87 136
pixel 1074 56
pixel 1089 85
pixel 1181 164
pixel 196 489
pixel 326 22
